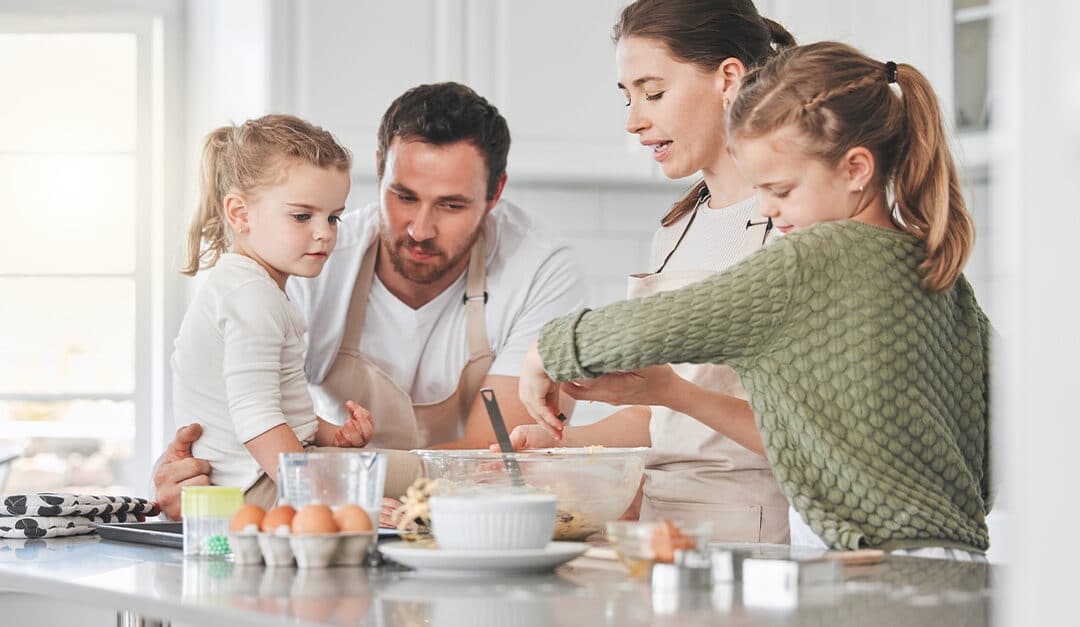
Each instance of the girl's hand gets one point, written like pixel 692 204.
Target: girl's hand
pixel 648 386
pixel 539 393
pixel 357 430
pixel 529 437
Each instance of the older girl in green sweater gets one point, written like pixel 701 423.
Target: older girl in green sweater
pixel 861 345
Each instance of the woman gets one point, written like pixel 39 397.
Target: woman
pixel 679 62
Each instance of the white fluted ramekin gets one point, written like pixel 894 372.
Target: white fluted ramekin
pixel 493 522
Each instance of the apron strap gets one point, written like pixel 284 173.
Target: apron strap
pixel 758 228
pixel 682 235
pixel 476 297
pixel 354 319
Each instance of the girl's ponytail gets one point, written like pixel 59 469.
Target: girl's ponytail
pixel 209 224
pixel 926 186
pixel 837 98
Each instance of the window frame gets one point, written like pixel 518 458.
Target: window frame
pixel 159 291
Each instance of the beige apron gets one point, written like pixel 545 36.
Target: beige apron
pixel 694 472
pixel 400 424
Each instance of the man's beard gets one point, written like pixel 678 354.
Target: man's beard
pixel 424 273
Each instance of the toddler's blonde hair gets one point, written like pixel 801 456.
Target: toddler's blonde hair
pixel 243 158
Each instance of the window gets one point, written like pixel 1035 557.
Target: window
pixel 80 187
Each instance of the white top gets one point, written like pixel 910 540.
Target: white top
pixel 714 242
pixel 532 277
pixel 238 368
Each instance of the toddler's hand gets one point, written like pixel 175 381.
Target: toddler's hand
pixel 357 430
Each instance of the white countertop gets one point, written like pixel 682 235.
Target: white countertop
pixel 159 583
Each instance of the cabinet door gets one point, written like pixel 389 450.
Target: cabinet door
pixel 918 32
pixel 340 63
pixel 550 68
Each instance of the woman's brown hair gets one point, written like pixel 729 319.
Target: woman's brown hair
pixel 243 158
pixel 837 98
pixel 705 33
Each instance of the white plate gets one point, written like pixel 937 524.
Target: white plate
pixel 435 561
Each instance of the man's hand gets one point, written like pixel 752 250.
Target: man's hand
pixel 648 386
pixel 387 517
pixel 178 468
pixel 357 430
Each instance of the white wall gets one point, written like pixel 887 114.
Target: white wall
pixel 1037 160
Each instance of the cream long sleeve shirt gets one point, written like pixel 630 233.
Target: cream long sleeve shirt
pixel 238 368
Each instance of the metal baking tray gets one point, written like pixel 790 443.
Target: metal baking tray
pixel 169 534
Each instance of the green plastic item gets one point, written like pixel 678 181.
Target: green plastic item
pixel 210 501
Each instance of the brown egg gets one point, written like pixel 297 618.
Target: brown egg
pixel 667 538
pixel 247 515
pixel 314 519
pixel 280 515
pixel 352 518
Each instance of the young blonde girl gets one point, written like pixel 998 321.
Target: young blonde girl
pixel 862 347
pixel 273 191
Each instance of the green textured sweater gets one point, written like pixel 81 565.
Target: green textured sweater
pixel 871 393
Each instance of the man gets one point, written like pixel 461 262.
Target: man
pixel 433 293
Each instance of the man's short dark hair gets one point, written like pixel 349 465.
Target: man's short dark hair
pixel 447 113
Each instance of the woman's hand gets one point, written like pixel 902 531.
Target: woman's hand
pixel 529 437
pixel 357 430
pixel 648 386
pixel 539 394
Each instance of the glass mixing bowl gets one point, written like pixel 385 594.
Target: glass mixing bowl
pixel 593 485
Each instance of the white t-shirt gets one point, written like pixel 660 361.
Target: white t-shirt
pixel 532 277
pixel 238 368
pixel 714 242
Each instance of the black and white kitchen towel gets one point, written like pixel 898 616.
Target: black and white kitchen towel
pixel 53 504
pixel 48 515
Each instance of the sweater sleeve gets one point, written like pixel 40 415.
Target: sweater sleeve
pixel 729 316
pixel 253 327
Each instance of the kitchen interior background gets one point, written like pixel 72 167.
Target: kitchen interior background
pixel 104 103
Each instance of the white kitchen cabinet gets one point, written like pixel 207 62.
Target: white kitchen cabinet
pixel 549 67
pixel 340 63
pixel 918 32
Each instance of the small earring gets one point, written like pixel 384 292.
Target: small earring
pixel 861 188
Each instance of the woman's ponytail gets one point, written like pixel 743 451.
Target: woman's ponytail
pixel 209 224
pixel 926 186
pixel 780 37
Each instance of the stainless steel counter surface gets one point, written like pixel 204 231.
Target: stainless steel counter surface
pixel 159 583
